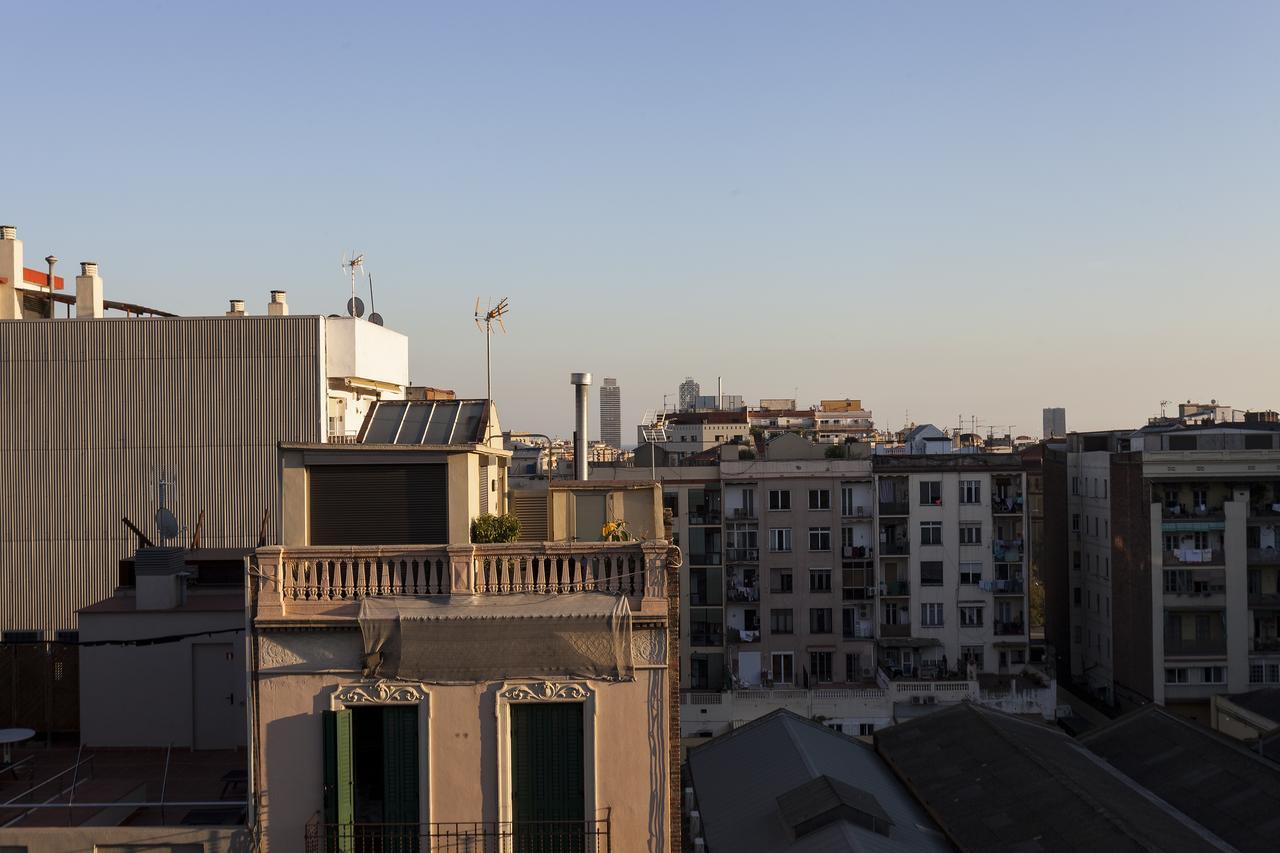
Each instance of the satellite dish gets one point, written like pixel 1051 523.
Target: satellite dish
pixel 166 523
pixel 355 306
pixel 375 318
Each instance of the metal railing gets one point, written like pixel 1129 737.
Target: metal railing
pixel 1195 557
pixel 1195 581
pixel 894 549
pixel 1214 647
pixel 548 836
pixel 895 508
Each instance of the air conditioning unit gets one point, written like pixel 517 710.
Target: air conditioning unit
pixel 848 552
pixel 915 700
pixel 866 672
pixel 931 700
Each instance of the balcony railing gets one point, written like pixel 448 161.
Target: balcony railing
pixel 706 638
pixel 704 517
pixel 1210 647
pixel 1009 629
pixel 1013 586
pixel 742 555
pixel 1264 556
pixel 1195 557
pixel 560 836
pixel 895 630
pixel 1182 512
pixel 895 588
pixel 743 593
pixel 704 558
pixel 743 636
pixel 895 507
pixel 742 513
pixel 858 632
pixel 1195 581
pixel 1007 550
pixel 337 574
pixel 1264 644
pixel 894 549
pixel 858 593
pixel 1007 505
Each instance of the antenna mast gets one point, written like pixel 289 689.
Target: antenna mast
pixel 484 322
pixel 355 265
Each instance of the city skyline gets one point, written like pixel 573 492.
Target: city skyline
pixel 1103 171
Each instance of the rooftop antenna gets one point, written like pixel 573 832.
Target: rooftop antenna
pixel 166 524
pixel 654 431
pixel 374 317
pixel 354 265
pixel 1163 403
pixel 484 322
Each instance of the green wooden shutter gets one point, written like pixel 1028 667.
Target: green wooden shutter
pixel 548 781
pixel 400 763
pixel 338 789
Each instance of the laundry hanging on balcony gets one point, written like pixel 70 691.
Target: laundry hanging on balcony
pixel 472 639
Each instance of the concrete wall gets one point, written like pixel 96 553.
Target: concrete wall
pixel 638 504
pixel 204 400
pixel 459 777
pixel 358 349
pixel 141 696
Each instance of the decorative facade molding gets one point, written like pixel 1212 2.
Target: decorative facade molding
pixel 548 691
pixel 380 693
pixel 649 647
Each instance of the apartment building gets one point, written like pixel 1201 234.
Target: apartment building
pixel 1175 582
pixel 611 413
pixel 799 570
pixel 692 500
pixel 951 553
pixel 114 401
pixel 411 690
pixel 689 433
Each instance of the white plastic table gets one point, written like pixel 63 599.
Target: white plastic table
pixel 8 737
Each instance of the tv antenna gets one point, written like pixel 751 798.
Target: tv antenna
pixel 354 265
pixel 374 317
pixel 653 429
pixel 484 322
pixel 1163 403
pixel 166 523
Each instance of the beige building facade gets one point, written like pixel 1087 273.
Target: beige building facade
pixel 450 693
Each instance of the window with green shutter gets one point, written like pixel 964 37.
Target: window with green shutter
pixel 548 795
pixel 371 773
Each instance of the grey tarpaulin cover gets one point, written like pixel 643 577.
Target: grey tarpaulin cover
pixel 477 638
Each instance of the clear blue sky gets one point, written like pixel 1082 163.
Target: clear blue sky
pixel 942 208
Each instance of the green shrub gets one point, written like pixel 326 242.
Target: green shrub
pixel 488 529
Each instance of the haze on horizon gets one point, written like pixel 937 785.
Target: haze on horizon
pixel 938 208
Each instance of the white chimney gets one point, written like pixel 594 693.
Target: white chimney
pixel 581 386
pixel 277 307
pixel 88 291
pixel 10 273
pixel 237 308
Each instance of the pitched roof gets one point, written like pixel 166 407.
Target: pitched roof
pixel 786 784
pixel 999 783
pixel 1264 702
pixel 1217 781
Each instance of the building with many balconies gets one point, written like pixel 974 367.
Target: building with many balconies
pixel 951 559
pixel 1175 578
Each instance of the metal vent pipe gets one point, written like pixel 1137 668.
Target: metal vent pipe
pixel 582 385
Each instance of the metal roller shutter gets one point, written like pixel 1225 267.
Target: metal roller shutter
pixel 379 504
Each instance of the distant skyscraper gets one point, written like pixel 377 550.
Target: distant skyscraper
pixel 690 390
pixel 1055 423
pixel 611 413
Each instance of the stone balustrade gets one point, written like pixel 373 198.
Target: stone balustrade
pixel 339 574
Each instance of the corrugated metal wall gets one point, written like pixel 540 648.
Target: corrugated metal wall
pixel 93 411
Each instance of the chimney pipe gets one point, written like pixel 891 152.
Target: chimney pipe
pixel 581 386
pixel 277 307
pixel 8 232
pixel 237 308
pixel 88 292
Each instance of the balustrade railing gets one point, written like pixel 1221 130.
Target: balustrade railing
pixel 349 573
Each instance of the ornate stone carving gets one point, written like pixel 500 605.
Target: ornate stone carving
pixel 380 693
pixel 649 647
pixel 548 691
